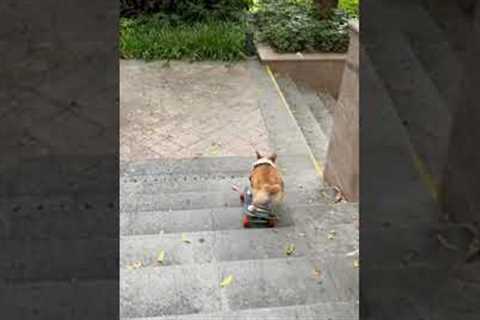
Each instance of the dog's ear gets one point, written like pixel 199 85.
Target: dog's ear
pixel 259 156
pixel 273 157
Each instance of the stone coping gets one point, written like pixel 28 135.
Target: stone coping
pixel 267 54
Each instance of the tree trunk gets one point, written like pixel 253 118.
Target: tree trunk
pixel 325 6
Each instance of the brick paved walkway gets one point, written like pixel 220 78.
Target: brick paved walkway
pixel 187 110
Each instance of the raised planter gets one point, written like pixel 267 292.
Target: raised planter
pixel 319 71
pixel 342 165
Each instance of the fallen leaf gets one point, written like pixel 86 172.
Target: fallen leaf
pixel 135 265
pixel 290 249
pixel 185 239
pixel 214 149
pixel 473 249
pixel 338 197
pixel 350 254
pixel 332 234
pixel 444 242
pixel 161 256
pixel 226 281
pixel 356 263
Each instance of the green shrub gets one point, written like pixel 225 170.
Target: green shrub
pixel 295 25
pixel 151 38
pixel 187 10
pixel 351 7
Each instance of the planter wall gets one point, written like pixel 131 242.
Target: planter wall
pixel 342 165
pixel 319 71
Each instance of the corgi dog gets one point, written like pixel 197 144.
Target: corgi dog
pixel 266 182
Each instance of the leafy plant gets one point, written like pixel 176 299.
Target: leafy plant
pixel 295 25
pixel 153 38
pixel 187 10
pixel 351 7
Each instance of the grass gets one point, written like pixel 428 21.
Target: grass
pixel 150 38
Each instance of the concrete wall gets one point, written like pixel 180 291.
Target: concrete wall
pixel 342 165
pixel 461 185
pixel 319 71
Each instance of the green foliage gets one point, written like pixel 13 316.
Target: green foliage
pixel 351 7
pixel 153 38
pixel 295 25
pixel 187 10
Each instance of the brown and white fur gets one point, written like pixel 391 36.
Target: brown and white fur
pixel 266 182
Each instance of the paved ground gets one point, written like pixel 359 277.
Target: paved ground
pixel 188 110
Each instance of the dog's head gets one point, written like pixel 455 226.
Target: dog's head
pixel 266 182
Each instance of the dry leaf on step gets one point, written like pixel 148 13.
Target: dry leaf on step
pixel 227 281
pixel 185 239
pixel 290 249
pixel 214 149
pixel 161 256
pixel 445 243
pixel 332 234
pixel 135 265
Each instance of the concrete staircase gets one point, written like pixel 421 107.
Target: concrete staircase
pixel 408 106
pixel 312 112
pixel 186 211
pixel 412 63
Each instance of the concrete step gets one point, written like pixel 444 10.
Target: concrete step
pixel 61 300
pixel 210 246
pixel 431 45
pixel 227 166
pixel 285 136
pixel 323 115
pixel 387 141
pixel 156 184
pixel 422 110
pixel 31 259
pixel 315 134
pixel 59 216
pixel 454 22
pixel 156 222
pixel 59 176
pixel 205 200
pixel 232 245
pixel 318 311
pixel 321 105
pixel 189 289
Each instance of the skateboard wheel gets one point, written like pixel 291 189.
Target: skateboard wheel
pixel 246 223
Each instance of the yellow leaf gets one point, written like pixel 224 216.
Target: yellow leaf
pixel 290 249
pixel 356 263
pixel 185 239
pixel 331 235
pixel 227 281
pixel 161 256
pixel 214 149
pixel 135 265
